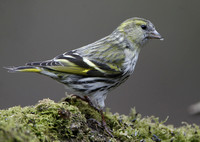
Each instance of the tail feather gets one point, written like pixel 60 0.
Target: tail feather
pixel 23 69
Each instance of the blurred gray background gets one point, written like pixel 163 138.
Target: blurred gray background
pixel 166 78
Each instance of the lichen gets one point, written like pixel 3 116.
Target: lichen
pixel 74 120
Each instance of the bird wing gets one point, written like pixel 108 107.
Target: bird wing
pixel 73 63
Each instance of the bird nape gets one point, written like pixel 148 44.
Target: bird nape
pixel 93 70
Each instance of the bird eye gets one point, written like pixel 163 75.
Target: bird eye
pixel 144 27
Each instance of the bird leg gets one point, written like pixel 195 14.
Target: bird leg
pixel 90 103
pixel 104 125
pixel 102 115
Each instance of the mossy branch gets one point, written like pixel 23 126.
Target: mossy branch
pixel 74 120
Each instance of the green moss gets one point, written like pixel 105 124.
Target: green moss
pixel 74 120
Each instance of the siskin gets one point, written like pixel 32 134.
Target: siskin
pixel 95 69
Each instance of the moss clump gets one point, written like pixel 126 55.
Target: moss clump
pixel 74 120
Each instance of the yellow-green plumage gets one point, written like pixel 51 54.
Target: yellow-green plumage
pixel 95 69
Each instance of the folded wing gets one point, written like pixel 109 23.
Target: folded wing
pixel 73 63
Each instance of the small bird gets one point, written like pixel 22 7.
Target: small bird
pixel 93 70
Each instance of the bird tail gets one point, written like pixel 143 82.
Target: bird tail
pixel 24 69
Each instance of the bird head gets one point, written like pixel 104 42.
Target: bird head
pixel 139 30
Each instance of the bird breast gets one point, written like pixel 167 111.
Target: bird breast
pixel 131 57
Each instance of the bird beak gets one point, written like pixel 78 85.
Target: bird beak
pixel 155 35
